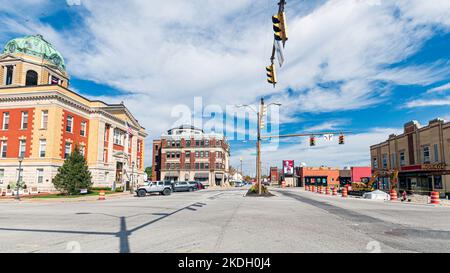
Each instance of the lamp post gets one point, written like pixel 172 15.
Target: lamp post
pixel 18 178
pixel 260 115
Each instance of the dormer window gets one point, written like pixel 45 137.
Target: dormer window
pixel 32 78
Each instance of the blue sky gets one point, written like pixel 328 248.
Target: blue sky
pixel 364 66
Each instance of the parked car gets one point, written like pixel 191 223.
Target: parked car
pixel 195 184
pixel 182 186
pixel 239 184
pixel 199 185
pixel 161 187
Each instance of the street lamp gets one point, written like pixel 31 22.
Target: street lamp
pixel 260 116
pixel 18 178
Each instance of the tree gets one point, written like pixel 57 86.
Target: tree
pixel 149 172
pixel 73 175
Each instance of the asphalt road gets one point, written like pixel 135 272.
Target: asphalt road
pixel 224 221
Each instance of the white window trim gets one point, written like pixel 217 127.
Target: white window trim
pixel 4 118
pixel 1 148
pixel 83 129
pixel 44 113
pixel 20 147
pixel 71 124
pixel 37 176
pixel 40 148
pixel 24 113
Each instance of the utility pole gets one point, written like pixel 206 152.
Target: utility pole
pixel 258 149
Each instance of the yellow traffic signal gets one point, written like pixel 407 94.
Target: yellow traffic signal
pixel 271 74
pixel 280 27
pixel 341 140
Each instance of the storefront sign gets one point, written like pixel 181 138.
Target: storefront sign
pixel 430 167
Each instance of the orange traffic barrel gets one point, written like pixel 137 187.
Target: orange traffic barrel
pixel 435 198
pixel 344 192
pixel 319 189
pixel 334 191
pixel 102 195
pixel 283 184
pixel 313 188
pixel 393 195
pixel 327 190
pixel 306 188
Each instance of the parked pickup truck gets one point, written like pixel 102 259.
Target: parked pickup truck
pixel 161 187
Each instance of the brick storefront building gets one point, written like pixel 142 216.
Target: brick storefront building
pixel 420 154
pixel 186 153
pixel 42 120
pixel 318 176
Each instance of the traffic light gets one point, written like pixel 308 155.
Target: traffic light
pixel 271 74
pixel 312 141
pixel 341 140
pixel 280 27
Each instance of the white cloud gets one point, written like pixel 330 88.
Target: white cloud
pixel 441 88
pixel 428 102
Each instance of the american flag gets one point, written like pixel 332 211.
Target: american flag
pixel 129 130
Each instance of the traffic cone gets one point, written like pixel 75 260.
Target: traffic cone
pixel 435 198
pixel 393 195
pixel 102 195
pixel 344 192
pixel 327 190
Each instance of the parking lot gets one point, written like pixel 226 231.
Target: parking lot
pixel 223 221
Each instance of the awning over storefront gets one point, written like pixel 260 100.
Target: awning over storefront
pixel 219 175
pixel 171 174
pixel 201 175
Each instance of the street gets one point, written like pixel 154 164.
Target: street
pixel 223 221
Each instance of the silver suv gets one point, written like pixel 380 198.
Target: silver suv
pixel 161 187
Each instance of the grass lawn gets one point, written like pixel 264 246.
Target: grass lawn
pixel 51 196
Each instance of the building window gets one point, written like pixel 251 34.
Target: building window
pixel 44 119
pixel 188 143
pixel 24 123
pixel 207 154
pixel 436 153
pixel 22 148
pixel 32 78
pixel 5 121
pixel 188 155
pixel 67 150
pixel 9 74
pixel 375 162
pixel 402 159
pixel 426 154
pixel 118 137
pixel 42 148
pixel 2 176
pixel 4 148
pixel 385 163
pixel 40 176
pixel 54 80
pixel 69 125
pixel 202 154
pixel 197 154
pixel 83 128
pixel 83 150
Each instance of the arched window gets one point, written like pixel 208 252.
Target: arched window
pixel 32 78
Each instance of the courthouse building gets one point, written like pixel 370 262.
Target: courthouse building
pixel 187 153
pixel 42 120
pixel 421 155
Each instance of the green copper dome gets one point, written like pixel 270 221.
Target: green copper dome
pixel 35 45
